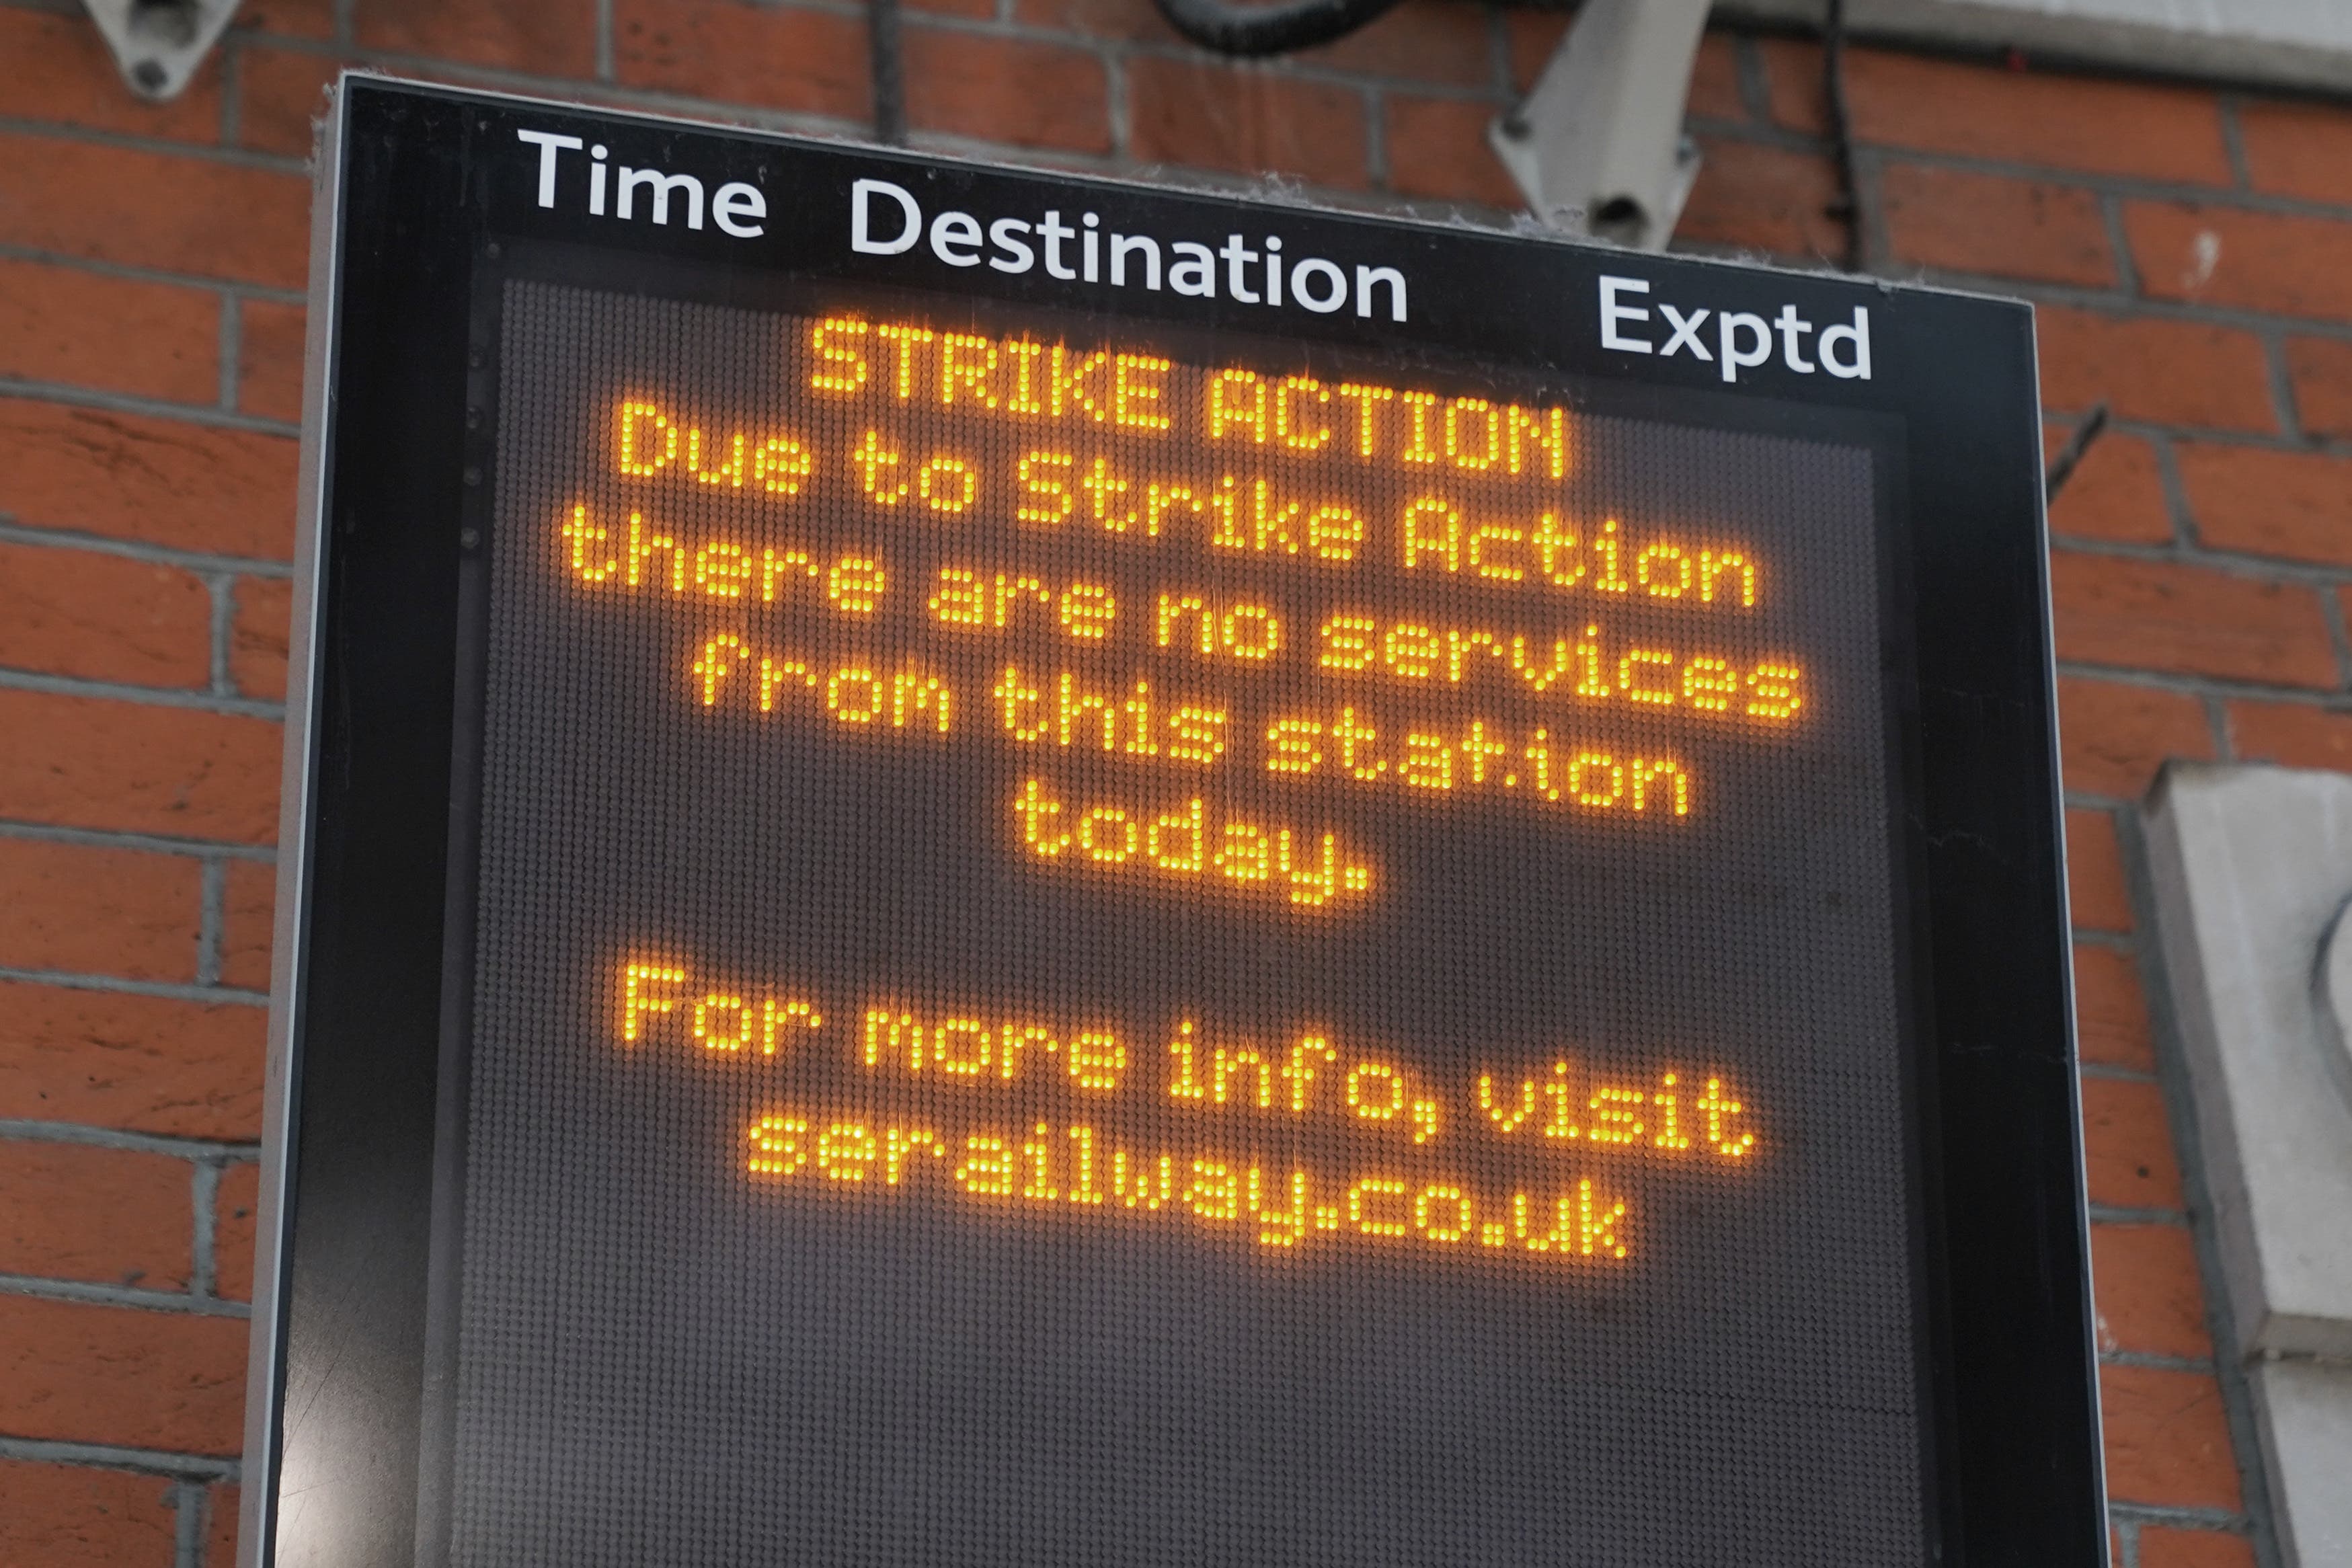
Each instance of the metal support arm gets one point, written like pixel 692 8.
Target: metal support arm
pixel 1596 148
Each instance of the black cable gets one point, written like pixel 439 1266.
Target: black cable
pixel 1268 29
pixel 1847 208
pixel 889 72
pixel 2062 467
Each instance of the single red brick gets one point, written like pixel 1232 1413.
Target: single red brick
pixel 78 908
pixel 2322 370
pixel 2005 228
pixel 1437 147
pixel 2257 261
pixel 2111 1010
pixel 282 98
pixel 2115 490
pixel 1793 84
pixel 154 209
pixel 971 10
pixel 269 359
pixel 548 38
pixel 236 1211
pixel 2298 149
pixel 126 476
pixel 100 1059
pixel 1715 80
pixel 67 1516
pixel 285 19
pixel 1530 35
pixel 92 763
pixel 256 657
pixel 63 73
pixel 1763 198
pixel 2128 1145
pixel 78 1373
pixel 1104 21
pixel 1007 90
pixel 2113 737
pixel 2294 733
pixel 2095 893
pixel 1246 120
pixel 809 61
pixel 2167 372
pixel 160 340
pixel 250 893
pixel 2297 505
pixel 112 1215
pixel 2161 1546
pixel 220 1527
pixel 1420 41
pixel 2151 1299
pixel 103 617
pixel 2168 1438
pixel 2154 615
pixel 2099 127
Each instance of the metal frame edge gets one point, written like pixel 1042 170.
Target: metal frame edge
pixel 2065 905
pixel 265 1370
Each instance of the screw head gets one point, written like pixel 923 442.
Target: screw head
pixel 148 76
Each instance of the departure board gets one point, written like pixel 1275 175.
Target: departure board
pixel 1109 948
pixel 1006 871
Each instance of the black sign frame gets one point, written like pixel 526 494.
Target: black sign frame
pixel 422 191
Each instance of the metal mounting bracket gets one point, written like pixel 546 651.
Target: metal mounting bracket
pixel 1598 148
pixel 159 43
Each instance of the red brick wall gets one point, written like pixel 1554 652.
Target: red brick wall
pixel 2191 251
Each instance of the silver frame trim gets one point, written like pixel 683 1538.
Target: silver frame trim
pixel 257 1512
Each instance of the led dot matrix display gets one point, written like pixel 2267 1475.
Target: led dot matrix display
pixel 1103 945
